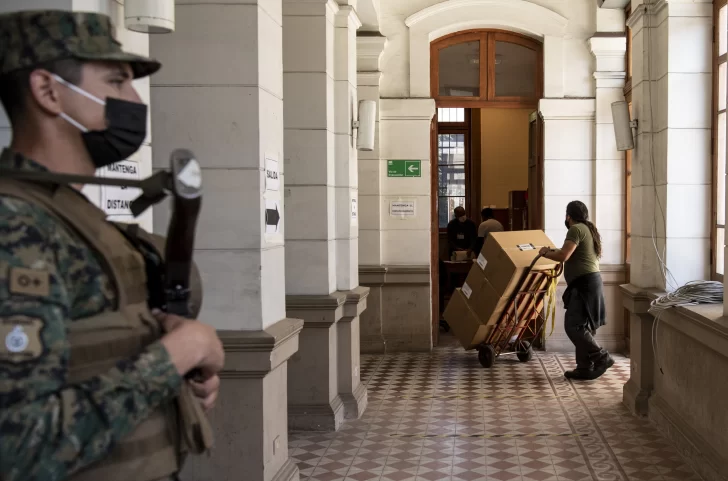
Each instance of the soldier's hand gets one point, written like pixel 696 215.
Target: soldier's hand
pixel 206 391
pixel 192 344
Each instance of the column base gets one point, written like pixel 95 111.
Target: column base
pixel 314 403
pixel 316 417
pixel 351 389
pixel 355 403
pixel 636 399
pixel 250 420
pixel 288 472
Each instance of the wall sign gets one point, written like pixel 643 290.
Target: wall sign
pixel 404 168
pixel 272 175
pixel 402 208
pixel 115 200
pixel 273 203
pixel 354 209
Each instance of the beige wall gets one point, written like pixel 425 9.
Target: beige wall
pixel 504 154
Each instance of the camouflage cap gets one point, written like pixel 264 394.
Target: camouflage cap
pixel 34 37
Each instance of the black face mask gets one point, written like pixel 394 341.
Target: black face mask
pixel 125 133
pixel 566 223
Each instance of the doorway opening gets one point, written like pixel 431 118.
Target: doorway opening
pixel 487 143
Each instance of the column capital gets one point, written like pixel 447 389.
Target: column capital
pixel 606 80
pixel 346 17
pixel 369 49
pixel 310 7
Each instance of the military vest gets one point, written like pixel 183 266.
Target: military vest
pixel 157 447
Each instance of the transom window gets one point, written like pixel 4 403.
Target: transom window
pixel 486 68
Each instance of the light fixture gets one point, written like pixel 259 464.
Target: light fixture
pixel 149 16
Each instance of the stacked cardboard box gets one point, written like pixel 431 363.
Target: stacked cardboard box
pixel 474 310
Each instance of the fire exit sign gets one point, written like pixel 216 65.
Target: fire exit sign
pixel 404 168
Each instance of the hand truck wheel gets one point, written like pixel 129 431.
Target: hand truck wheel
pixel 486 355
pixel 524 351
pixel 444 326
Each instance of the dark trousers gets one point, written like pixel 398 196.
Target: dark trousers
pixel 576 324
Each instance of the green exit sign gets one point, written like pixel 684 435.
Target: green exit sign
pixel 404 168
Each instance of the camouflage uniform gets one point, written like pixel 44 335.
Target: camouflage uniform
pixel 38 439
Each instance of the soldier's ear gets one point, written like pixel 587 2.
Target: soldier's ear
pixel 44 92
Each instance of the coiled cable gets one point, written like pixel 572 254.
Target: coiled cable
pixel 691 294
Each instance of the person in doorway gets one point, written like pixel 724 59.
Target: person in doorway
pixel 461 232
pixel 584 295
pixel 489 224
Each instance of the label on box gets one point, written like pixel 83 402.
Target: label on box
pixel 467 290
pixel 526 247
pixel 482 262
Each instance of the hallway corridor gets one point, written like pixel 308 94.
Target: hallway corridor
pixel 440 416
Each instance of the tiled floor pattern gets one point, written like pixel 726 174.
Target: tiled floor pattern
pixel 441 416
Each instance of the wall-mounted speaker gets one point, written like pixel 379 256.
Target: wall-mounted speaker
pixel 623 126
pixel 149 16
pixel 366 125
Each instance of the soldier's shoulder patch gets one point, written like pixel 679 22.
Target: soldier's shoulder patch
pixel 20 339
pixel 30 282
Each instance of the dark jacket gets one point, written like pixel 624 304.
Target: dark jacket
pixel 591 290
pixel 461 235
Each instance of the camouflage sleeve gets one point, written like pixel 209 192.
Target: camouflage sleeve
pixel 51 429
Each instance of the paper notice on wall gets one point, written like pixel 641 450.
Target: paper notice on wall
pixel 116 201
pixel 402 208
pixel 482 262
pixel 467 290
pixel 272 174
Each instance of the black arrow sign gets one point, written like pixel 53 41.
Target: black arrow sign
pixel 272 217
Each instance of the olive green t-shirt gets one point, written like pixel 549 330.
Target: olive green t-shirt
pixel 584 260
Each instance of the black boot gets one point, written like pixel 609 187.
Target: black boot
pixel 601 366
pixel 580 373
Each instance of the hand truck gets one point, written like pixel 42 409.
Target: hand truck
pixel 522 321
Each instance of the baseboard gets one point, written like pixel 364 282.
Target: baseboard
pixel 355 403
pixel 288 472
pixel 316 417
pixel 699 454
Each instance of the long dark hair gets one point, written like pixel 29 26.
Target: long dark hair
pixel 580 214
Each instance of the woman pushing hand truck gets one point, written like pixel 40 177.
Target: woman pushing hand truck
pixel 584 295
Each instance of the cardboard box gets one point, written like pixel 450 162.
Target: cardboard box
pixel 482 297
pixel 506 256
pixel 464 323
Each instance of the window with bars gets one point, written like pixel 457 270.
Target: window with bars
pixel 719 135
pixel 453 162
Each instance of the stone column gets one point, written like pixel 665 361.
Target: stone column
pixel 608 214
pixel 370 46
pixel 220 93
pixel 406 128
pixel 671 177
pixel 637 390
pixel 352 391
pixel 322 230
pixel 308 65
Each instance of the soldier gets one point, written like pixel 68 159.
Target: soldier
pixel 92 383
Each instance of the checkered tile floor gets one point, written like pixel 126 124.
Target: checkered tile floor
pixel 441 416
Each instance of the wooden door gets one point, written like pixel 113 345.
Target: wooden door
pixel 535 172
